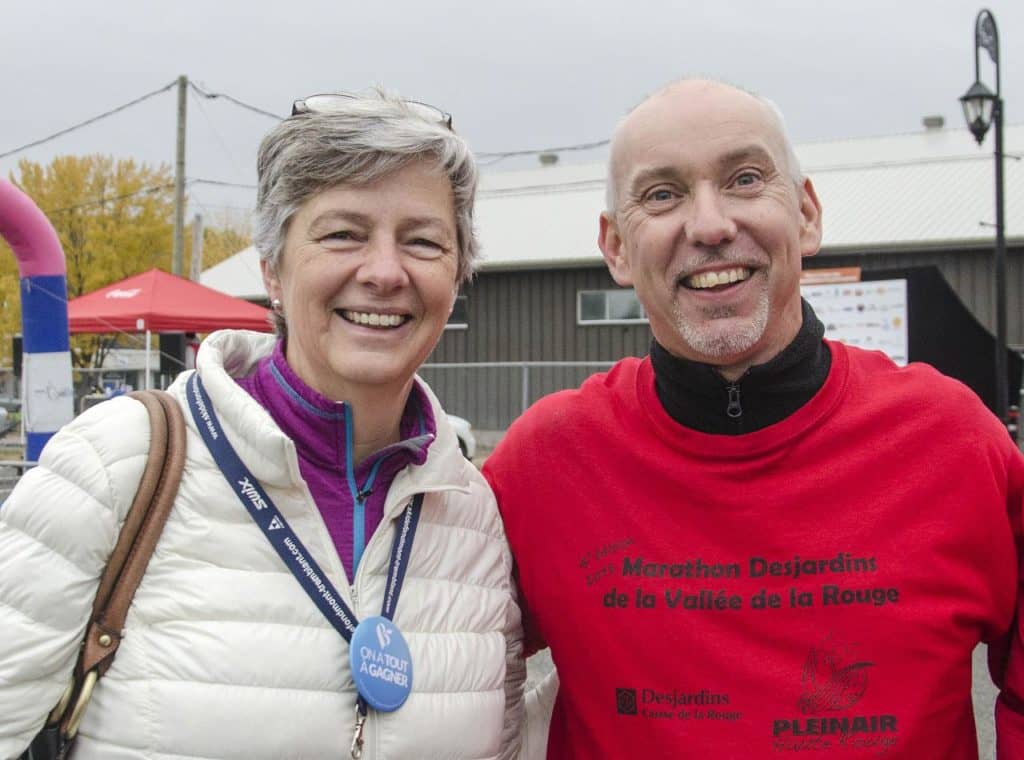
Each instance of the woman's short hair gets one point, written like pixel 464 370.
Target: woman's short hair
pixel 369 136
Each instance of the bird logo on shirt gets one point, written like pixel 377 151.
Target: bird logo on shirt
pixel 833 679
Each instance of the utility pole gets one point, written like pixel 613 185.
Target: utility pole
pixel 197 248
pixel 178 257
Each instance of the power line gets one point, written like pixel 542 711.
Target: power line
pixel 546 188
pixel 194 198
pixel 220 183
pixel 103 200
pixel 495 156
pixel 489 158
pixel 87 122
pixel 209 122
pixel 232 99
pixel 143 191
pixel 535 151
pixel 224 206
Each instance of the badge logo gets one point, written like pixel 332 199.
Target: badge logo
pixel 381 664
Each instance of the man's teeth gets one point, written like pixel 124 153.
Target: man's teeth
pixel 714 279
pixel 372 319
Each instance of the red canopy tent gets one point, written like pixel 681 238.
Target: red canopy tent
pixel 156 301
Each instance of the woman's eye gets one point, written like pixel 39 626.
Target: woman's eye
pixel 336 239
pixel 426 247
pixel 337 235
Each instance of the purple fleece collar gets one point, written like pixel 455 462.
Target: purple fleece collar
pixel 317 426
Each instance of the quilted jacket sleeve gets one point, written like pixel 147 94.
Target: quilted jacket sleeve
pixel 57 530
pixel 515 675
pixel 540 701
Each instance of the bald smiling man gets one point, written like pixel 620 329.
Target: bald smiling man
pixel 754 542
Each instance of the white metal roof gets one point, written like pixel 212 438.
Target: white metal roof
pixel 934 188
pixel 237 275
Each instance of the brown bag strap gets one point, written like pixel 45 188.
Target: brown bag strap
pixel 142 502
pixel 135 544
pixel 140 533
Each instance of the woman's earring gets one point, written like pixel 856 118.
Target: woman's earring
pixel 276 306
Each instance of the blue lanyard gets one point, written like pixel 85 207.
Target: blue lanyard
pixel 280 535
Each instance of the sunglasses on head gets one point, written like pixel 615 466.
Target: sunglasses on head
pixel 337 101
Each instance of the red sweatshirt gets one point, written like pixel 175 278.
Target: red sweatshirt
pixel 812 589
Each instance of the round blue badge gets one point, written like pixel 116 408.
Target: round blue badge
pixel 381 665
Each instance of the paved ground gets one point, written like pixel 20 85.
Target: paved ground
pixel 984 703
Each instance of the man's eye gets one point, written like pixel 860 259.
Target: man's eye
pixel 660 195
pixel 746 179
pixel 426 243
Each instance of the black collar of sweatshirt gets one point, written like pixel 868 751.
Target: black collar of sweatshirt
pixel 696 396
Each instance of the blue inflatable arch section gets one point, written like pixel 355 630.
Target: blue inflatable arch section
pixel 47 391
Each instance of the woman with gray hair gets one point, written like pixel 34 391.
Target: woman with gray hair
pixel 333 580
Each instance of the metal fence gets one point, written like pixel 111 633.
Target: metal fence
pixel 492 394
pixel 489 394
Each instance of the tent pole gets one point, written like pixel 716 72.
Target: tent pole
pixel 146 383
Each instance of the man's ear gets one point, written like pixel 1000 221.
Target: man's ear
pixel 810 219
pixel 610 242
pixel 270 281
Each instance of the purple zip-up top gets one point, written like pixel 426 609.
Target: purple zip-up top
pixel 350 497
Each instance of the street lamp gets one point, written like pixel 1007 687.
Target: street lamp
pixel 982 107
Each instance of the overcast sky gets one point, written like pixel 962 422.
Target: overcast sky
pixel 515 75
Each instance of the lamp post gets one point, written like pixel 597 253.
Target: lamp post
pixel 982 107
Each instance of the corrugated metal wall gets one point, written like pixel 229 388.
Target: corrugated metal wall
pixel 519 316
pixel 531 316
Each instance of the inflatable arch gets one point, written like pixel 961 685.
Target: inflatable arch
pixel 47 390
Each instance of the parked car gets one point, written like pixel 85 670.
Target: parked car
pixel 467 442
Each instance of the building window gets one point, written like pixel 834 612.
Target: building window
pixel 603 307
pixel 459 318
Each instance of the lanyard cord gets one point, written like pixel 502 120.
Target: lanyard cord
pixel 280 535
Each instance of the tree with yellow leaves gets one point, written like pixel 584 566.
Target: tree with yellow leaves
pixel 114 219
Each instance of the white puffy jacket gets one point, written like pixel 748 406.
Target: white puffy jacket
pixel 224 655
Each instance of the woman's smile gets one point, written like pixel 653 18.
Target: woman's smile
pixel 375 319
